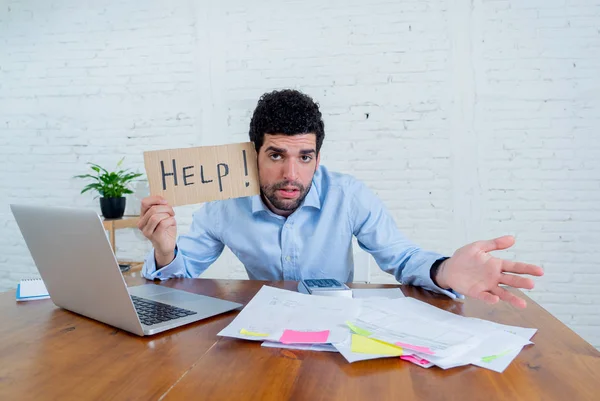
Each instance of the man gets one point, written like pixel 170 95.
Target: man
pixel 301 226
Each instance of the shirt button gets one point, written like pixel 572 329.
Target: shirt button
pixel 288 258
pixel 159 274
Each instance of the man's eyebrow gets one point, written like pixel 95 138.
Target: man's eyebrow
pixel 277 150
pixel 307 151
pixel 281 150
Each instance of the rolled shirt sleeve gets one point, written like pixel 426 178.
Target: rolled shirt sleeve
pixel 195 251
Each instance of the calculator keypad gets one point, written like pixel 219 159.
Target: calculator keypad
pixel 323 283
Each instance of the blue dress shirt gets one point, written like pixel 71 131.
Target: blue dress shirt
pixel 313 242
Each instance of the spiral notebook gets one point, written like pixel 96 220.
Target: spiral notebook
pixel 31 289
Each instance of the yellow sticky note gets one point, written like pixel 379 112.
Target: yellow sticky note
pixel 364 345
pixel 358 330
pixel 252 333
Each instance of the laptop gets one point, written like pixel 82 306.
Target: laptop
pixel 74 257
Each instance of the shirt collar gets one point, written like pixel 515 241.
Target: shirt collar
pixel 312 200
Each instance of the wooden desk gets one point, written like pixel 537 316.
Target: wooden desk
pixel 114 224
pixel 49 353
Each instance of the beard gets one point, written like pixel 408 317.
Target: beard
pixel 270 192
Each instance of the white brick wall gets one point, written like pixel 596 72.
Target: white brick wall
pixel 470 119
pixel 537 114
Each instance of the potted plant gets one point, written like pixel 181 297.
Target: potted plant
pixel 111 186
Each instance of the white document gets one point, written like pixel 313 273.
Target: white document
pixel 417 327
pixel 480 324
pixel 498 342
pixel 273 310
pixel 502 360
pixel 303 347
pixel 390 293
pixel 444 338
pixel 499 348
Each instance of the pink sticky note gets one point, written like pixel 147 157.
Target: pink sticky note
pixel 304 337
pixel 422 350
pixel 415 359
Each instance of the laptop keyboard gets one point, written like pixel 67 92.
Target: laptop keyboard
pixel 152 312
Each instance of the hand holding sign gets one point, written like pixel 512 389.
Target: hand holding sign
pixel 157 223
pixel 202 174
pixel 184 176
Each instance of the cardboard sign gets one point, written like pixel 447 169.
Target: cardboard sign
pixel 202 174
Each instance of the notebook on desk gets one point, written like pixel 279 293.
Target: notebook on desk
pixel 31 289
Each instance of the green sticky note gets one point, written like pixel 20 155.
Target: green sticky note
pixel 365 345
pixel 490 358
pixel 358 330
pixel 252 333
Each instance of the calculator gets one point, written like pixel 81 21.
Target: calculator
pixel 324 286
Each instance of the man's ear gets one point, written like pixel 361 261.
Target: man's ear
pixel 318 161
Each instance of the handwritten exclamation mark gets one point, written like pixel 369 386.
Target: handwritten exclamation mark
pixel 245 167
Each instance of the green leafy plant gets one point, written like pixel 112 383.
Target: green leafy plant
pixel 109 184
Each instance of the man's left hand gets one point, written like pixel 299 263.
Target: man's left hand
pixel 472 271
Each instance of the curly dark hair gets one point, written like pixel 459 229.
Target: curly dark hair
pixel 288 112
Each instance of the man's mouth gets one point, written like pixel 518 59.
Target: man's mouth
pixel 288 193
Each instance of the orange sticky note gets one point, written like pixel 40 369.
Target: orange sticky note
pixel 304 337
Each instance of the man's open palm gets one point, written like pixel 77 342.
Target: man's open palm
pixel 472 271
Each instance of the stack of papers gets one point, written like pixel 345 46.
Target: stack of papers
pixel 377 327
pixel 292 318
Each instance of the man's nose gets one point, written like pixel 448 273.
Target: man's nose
pixel 290 170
